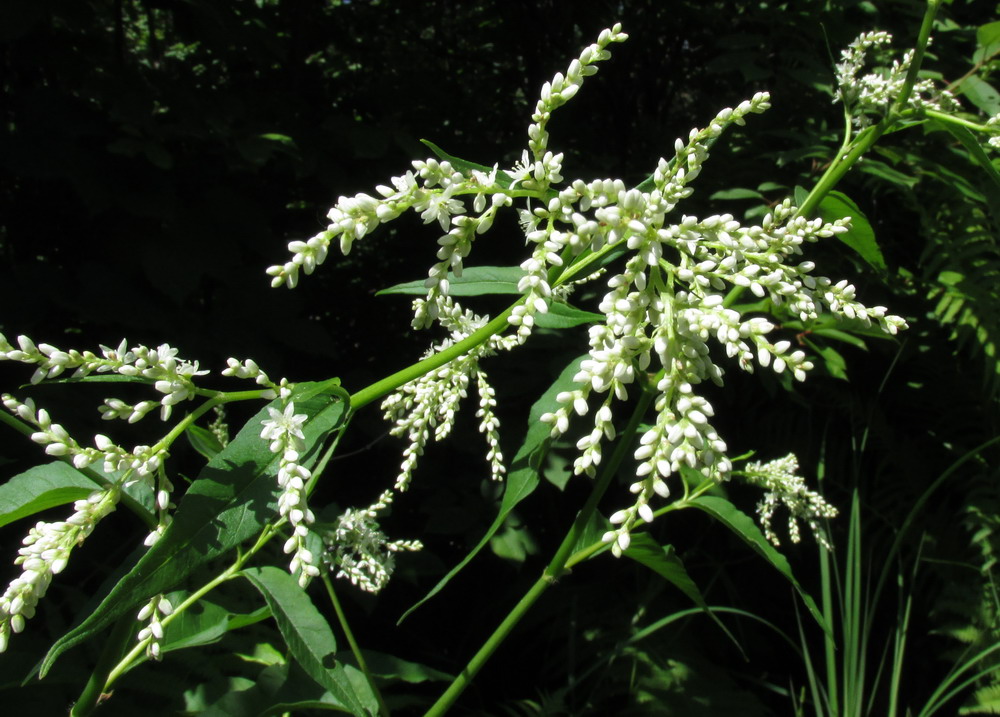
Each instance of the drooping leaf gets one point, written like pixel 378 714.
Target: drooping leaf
pixel 392 669
pixel 523 477
pixel 744 527
pixel 234 496
pixel 475 281
pixel 664 561
pixel 971 144
pixel 860 237
pixel 308 636
pixel 41 488
pixel 834 362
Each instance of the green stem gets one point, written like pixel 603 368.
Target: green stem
pixel 553 570
pixel 95 690
pixel 952 119
pixel 923 38
pixel 355 648
pixel 135 654
pixel 390 383
pixel 850 153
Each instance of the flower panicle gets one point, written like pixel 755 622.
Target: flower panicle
pixel 45 553
pixel 284 431
pixel 172 376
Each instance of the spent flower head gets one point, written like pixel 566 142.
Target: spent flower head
pixel 783 487
pixel 360 551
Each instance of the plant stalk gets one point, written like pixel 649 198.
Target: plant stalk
pixel 553 571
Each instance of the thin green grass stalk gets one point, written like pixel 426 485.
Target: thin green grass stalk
pixel 899 643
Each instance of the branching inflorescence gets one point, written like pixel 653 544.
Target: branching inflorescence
pixel 662 310
pixel 668 315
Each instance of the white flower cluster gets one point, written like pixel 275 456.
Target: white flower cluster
pixel 284 431
pixel 138 464
pixel 874 92
pixel 430 403
pixel 783 487
pixel 152 613
pixel 437 196
pixel 172 376
pixel 670 309
pixel 359 549
pixel 250 370
pixel 665 306
pixel 45 553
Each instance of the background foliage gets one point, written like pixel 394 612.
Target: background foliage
pixel 157 155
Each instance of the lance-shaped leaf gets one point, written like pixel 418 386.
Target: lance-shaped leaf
pixel 665 562
pixel 743 525
pixel 308 636
pixel 474 281
pixel 234 497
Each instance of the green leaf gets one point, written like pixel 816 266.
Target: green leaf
pixel 41 488
pixel 837 335
pixel 987 42
pixel 475 281
pixel 883 171
pixel 737 193
pixel 971 144
pixel 665 562
pixel 860 237
pixel 308 636
pixel 565 316
pixel 330 387
pixel 203 441
pixel 514 542
pixel 201 624
pixel 283 139
pixel 101 378
pixel 982 94
pixel 835 364
pixel 391 668
pixel 744 527
pixel 234 497
pixel 523 477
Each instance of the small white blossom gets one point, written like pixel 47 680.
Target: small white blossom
pixel 284 432
pixel 152 614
